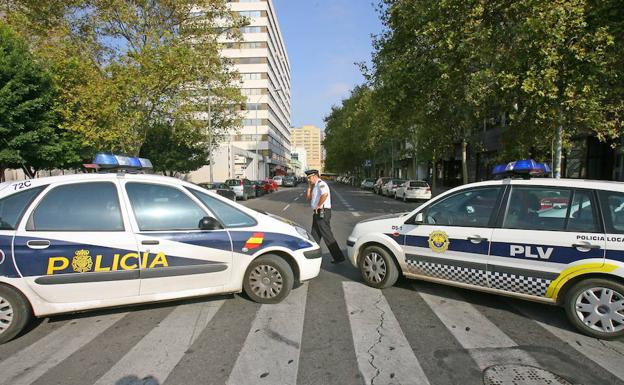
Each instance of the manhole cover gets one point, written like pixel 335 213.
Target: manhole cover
pixel 520 375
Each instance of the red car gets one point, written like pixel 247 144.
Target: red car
pixel 269 185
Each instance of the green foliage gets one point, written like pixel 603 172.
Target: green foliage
pixel 127 70
pixel 441 68
pixel 29 134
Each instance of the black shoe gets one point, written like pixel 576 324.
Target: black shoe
pixel 337 261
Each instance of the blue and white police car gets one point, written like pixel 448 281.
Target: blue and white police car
pixel 78 242
pixel 556 241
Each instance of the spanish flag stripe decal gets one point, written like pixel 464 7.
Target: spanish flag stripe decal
pixel 254 241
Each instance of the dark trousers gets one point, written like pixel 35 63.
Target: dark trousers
pixel 322 229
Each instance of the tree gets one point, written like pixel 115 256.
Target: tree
pixel 29 136
pixel 130 67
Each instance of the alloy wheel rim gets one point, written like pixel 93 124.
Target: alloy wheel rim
pixel 374 267
pixel 6 315
pixel 266 281
pixel 601 309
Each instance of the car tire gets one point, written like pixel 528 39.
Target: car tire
pixel 579 308
pixel 15 313
pixel 269 279
pixel 377 267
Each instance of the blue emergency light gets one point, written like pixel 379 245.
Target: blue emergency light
pixel 524 167
pixel 119 162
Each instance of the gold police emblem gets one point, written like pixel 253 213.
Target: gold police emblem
pixel 81 263
pixel 438 241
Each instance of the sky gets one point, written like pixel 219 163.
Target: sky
pixel 324 38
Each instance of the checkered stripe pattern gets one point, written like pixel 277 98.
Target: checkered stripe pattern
pixel 453 273
pixel 518 283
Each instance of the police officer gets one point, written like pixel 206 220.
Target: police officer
pixel 320 199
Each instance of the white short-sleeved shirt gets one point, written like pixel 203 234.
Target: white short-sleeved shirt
pixel 319 189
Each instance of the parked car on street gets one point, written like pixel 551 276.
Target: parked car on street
pixel 220 188
pixel 367 184
pixel 242 187
pixel 289 181
pixel 278 179
pixel 258 188
pixel 412 190
pixel 390 187
pixel 269 185
pixel 379 184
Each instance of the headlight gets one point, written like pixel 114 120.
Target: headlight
pixel 303 233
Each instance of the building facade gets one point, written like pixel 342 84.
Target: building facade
pixel 262 61
pixel 310 138
pixel 261 147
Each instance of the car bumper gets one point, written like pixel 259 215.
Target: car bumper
pixel 417 195
pixel 351 251
pixel 309 261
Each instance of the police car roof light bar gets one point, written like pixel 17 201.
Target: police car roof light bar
pixel 524 168
pixel 112 162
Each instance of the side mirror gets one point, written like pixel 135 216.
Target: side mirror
pixel 416 219
pixel 209 223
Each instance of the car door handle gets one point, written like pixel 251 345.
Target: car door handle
pixel 150 242
pixel 586 246
pixel 38 244
pixel 476 239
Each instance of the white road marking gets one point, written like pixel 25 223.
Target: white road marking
pixel 355 214
pixel 286 208
pixel 271 351
pixel 295 198
pixel 608 354
pixel 381 348
pixel 486 343
pixel 29 364
pixel 160 351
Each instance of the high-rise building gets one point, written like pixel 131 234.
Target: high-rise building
pixel 309 137
pixel 261 147
pixel 262 61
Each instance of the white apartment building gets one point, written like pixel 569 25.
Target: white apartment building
pixel 261 148
pixel 262 61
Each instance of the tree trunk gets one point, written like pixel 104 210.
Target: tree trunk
pixel 2 170
pixel 464 146
pixel 558 148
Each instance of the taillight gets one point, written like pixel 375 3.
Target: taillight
pixel 429 189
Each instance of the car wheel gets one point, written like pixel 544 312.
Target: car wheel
pixel 596 307
pixel 378 268
pixel 269 279
pixel 15 313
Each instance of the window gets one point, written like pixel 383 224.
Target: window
pixel 471 208
pixel 251 76
pixel 78 207
pixel 250 13
pixel 251 29
pixel 251 60
pixel 582 214
pixel 537 208
pixel 252 91
pixel 158 207
pixel 253 44
pixel 227 215
pixel 613 208
pixel 12 207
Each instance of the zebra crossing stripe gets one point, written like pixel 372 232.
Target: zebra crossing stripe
pixel 29 364
pixel 156 355
pixel 383 353
pixel 486 343
pixel 270 354
pixel 608 354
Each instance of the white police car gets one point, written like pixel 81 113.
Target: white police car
pixel 78 242
pixel 550 240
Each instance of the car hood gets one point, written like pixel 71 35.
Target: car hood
pixel 387 216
